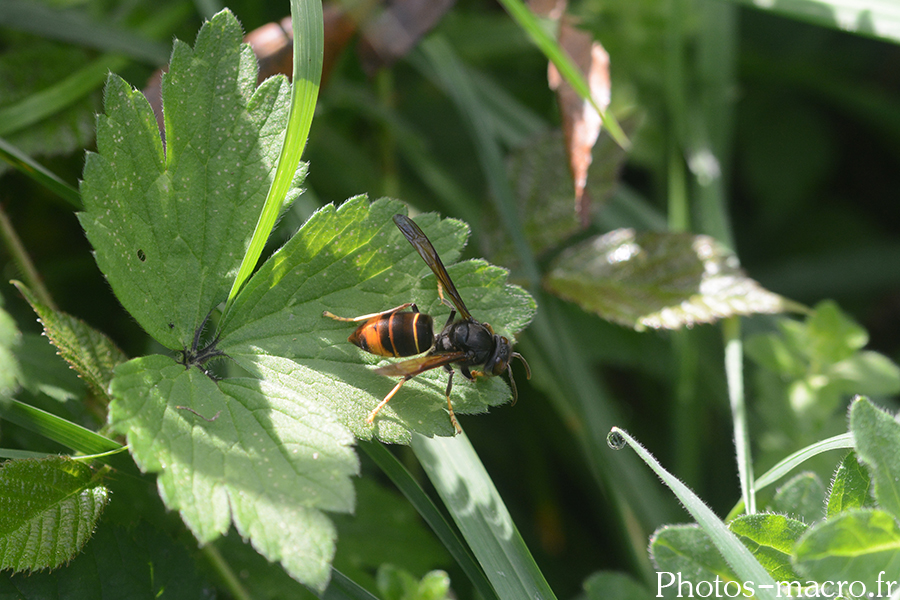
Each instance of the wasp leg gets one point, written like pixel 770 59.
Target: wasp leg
pixel 450 318
pixel 444 301
pixel 453 420
pixel 397 387
pixel 387 399
pixel 331 315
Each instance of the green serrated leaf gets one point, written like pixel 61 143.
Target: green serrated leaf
pixel 771 539
pixel 351 261
pixel 856 545
pixel 48 511
pixel 170 227
pixel 258 454
pixel 658 280
pixel 801 497
pixel 851 487
pixel 91 353
pixel 877 438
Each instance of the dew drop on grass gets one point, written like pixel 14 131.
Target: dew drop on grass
pixel 615 440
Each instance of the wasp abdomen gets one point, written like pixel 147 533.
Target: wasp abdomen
pixel 395 334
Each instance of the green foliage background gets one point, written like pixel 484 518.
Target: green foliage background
pixel 803 120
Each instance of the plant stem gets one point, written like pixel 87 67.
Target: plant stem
pixel 734 374
pixel 23 261
pixel 229 578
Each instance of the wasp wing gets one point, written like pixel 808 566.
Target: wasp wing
pixel 426 250
pixel 419 364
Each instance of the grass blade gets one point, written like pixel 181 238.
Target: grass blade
pixel 563 62
pixel 408 486
pixel 56 428
pixel 734 373
pixel 25 164
pixel 733 551
pixel 843 441
pixel 308 27
pixel 344 588
pixel 468 492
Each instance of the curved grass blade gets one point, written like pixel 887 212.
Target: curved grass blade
pixel 56 428
pixel 563 62
pixel 344 588
pixel 469 494
pixel 733 551
pixel 26 165
pixel 308 27
pixel 448 536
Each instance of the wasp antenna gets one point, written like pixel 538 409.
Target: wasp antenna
pixel 512 384
pixel 524 362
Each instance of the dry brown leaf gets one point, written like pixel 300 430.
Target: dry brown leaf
pixel 581 123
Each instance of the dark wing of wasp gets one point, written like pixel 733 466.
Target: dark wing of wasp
pixel 426 250
pixel 420 364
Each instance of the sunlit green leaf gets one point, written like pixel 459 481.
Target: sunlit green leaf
pixel 877 436
pixel 351 261
pixel 658 280
pixel 771 539
pixel 170 227
pixel 850 488
pixel 258 454
pixel 854 546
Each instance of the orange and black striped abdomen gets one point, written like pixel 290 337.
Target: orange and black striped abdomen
pixel 395 334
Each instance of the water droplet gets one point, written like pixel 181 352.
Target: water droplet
pixel 615 440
